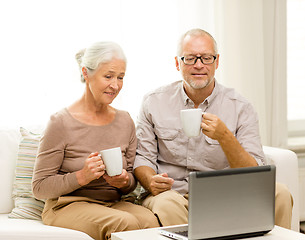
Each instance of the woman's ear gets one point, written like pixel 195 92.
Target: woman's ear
pixel 85 74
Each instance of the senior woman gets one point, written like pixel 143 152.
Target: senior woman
pixel 70 174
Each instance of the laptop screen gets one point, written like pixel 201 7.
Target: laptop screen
pixel 231 202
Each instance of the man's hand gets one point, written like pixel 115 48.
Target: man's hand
pixel 155 183
pixel 160 183
pixel 212 126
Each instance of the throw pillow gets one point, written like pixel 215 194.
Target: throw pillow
pixel 26 206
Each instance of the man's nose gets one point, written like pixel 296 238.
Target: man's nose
pixel 198 63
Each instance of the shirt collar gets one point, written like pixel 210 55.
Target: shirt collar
pixel 208 100
pixel 185 98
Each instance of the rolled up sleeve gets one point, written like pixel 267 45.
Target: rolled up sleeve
pixel 248 133
pixel 147 150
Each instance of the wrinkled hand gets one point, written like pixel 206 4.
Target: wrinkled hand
pixel 118 181
pixel 212 126
pixel 93 169
pixel 160 183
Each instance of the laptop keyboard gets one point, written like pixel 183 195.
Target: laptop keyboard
pixel 183 233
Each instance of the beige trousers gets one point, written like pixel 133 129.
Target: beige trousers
pixel 96 218
pixel 172 208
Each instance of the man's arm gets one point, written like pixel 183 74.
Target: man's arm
pixel 237 156
pixel 154 183
pixel 145 165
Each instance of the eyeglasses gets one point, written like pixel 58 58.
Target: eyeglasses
pixel 191 60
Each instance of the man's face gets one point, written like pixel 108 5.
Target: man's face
pixel 198 75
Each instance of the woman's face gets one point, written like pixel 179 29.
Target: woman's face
pixel 106 81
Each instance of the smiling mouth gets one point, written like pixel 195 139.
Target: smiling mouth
pixel 110 93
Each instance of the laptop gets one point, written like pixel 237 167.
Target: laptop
pixel 228 204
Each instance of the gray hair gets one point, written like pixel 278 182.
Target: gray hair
pixel 97 53
pixel 194 32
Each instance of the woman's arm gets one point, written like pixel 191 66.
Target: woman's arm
pixel 47 183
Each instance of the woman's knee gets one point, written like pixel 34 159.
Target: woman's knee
pixel 115 223
pixel 146 218
pixel 98 226
pixel 124 221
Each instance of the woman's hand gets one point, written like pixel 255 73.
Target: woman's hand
pixel 118 181
pixel 93 169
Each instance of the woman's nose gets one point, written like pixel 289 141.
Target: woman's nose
pixel 114 84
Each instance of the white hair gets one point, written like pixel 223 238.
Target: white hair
pixel 194 32
pixel 97 53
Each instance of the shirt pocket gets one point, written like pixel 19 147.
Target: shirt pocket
pixel 214 156
pixel 211 141
pixel 169 144
pixel 166 134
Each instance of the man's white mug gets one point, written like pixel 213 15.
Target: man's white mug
pixel 191 120
pixel 113 161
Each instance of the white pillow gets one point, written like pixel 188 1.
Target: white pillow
pixel 9 142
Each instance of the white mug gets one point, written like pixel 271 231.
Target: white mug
pixel 191 120
pixel 113 161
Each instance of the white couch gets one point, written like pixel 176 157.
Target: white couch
pixel 27 229
pixel 287 172
pixel 12 228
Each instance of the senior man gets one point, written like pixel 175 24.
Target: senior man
pixel 230 134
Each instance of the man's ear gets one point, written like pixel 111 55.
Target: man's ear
pixel 177 63
pixel 217 61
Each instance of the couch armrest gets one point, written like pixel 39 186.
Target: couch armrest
pixel 287 172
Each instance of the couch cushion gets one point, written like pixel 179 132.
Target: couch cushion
pixel 13 229
pixel 25 204
pixel 9 141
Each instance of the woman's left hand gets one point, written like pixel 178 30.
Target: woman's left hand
pixel 118 181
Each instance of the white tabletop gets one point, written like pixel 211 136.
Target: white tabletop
pixel 278 233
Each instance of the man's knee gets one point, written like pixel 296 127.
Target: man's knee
pixel 283 206
pixel 165 200
pixel 170 207
pixel 283 196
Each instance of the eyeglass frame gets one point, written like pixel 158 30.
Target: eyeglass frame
pixel 201 59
